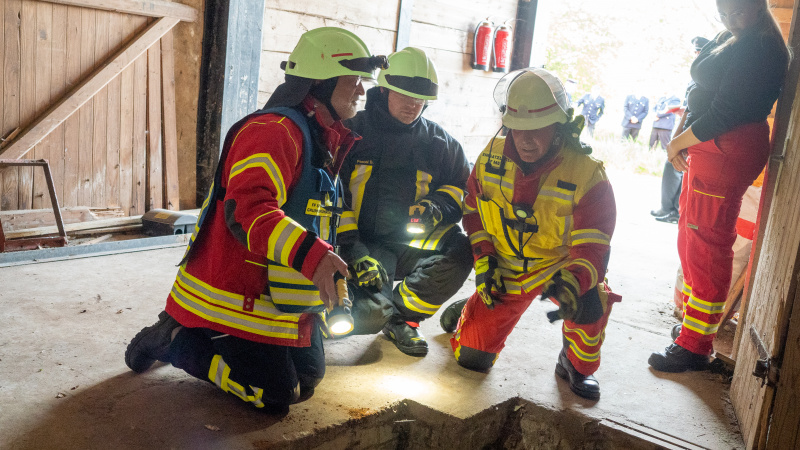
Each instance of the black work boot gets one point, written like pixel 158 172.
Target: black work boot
pixel 406 337
pixel 677 359
pixel 151 344
pixel 585 386
pixel 676 331
pixel 449 318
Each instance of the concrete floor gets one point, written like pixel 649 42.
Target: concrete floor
pixel 64 327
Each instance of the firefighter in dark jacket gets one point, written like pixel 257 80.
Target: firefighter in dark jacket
pixel 245 310
pixel 635 110
pixel 405 166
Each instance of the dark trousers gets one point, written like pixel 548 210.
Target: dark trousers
pixel 670 188
pixel 590 128
pixel 428 278
pixel 267 376
pixel 660 135
pixel 630 133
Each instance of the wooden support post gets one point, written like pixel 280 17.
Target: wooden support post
pixel 169 125
pixel 523 34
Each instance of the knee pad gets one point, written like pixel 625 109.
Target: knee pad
pixel 472 359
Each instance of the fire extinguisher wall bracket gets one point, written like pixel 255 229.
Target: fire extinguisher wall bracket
pixel 482 45
pixel 502 47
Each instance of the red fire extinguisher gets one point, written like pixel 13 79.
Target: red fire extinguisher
pixel 502 45
pixel 482 45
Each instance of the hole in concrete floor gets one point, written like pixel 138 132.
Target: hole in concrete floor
pixel 513 424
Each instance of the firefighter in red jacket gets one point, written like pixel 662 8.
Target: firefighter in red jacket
pixel 245 310
pixel 539 213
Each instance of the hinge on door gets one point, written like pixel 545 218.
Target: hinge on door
pixel 766 367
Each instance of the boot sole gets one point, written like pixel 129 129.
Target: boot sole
pixel 130 349
pixel 655 362
pixel 562 372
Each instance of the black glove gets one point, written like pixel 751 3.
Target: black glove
pixel 488 281
pixel 563 287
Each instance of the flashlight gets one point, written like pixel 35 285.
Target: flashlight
pixel 340 319
pixel 416 224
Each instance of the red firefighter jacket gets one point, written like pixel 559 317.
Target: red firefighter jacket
pixel 247 241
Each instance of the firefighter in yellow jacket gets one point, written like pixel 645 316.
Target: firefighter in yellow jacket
pixel 244 311
pixel 539 213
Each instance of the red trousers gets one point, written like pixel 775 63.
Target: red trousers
pixel 486 330
pixel 720 171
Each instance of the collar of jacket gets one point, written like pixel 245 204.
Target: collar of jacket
pixel 378 108
pixel 336 138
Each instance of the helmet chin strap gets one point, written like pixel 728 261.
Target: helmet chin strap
pixel 323 92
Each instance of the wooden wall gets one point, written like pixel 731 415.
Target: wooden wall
pixel 443 28
pixel 97 155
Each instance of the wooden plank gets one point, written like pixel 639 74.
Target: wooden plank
pixel 9 190
pixel 72 126
pixel 169 130
pixel 126 127
pixel 114 122
pixel 91 225
pixel 2 87
pixel 786 416
pixel 43 73
pixel 86 132
pixel 35 218
pixel 286 26
pixel 155 168
pixel 58 86
pixel 100 110
pixel 772 282
pixel 139 157
pixel 426 35
pixel 373 14
pixel 149 8
pixel 2 76
pixel 27 98
pixel 83 93
pixel 462 15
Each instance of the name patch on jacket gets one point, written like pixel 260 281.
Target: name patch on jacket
pixel 316 208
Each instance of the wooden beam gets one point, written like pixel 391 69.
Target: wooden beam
pixel 169 125
pixel 91 225
pixel 150 8
pixel 523 34
pixel 84 92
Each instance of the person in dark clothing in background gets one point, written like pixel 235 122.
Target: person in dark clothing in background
pixel 636 109
pixel 665 111
pixel 593 108
pixel 404 161
pixel 723 146
pixel 671 179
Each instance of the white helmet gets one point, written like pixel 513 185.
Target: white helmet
pixel 530 99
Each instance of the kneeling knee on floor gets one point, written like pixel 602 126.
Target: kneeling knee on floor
pixel 473 359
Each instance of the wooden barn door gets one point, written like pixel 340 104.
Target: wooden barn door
pixel 89 86
pixel 764 386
